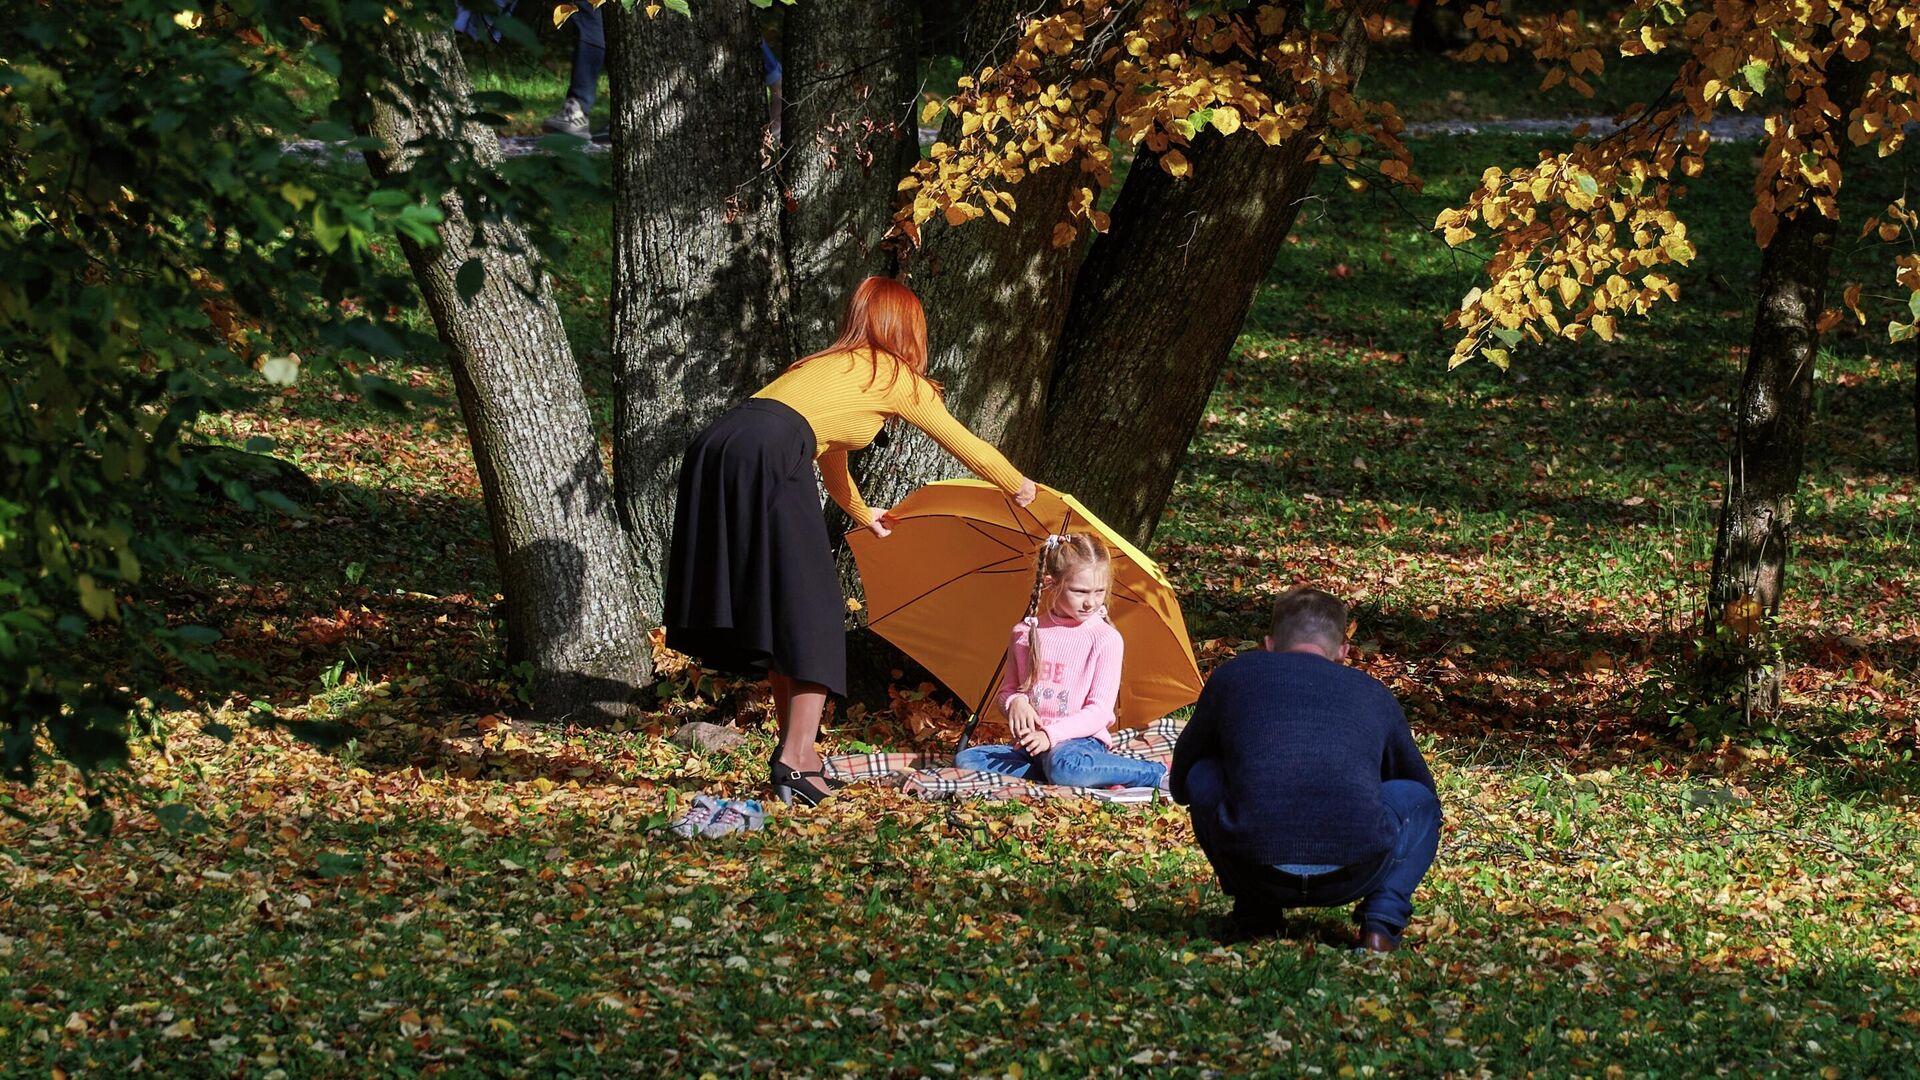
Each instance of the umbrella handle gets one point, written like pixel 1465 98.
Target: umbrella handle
pixel 966 733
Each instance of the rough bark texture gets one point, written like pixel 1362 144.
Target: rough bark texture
pixel 1770 421
pixel 849 138
pixel 698 307
pixel 995 297
pixel 1159 303
pixel 571 609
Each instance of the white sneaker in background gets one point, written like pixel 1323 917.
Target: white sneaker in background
pixel 570 120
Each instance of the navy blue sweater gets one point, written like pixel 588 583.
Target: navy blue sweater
pixel 1304 744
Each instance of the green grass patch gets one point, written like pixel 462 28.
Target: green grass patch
pixel 1615 896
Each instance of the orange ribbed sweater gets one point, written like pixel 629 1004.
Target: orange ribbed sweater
pixel 845 412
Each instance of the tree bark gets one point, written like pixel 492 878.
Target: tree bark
pixel 996 298
pixel 1160 302
pixel 571 609
pixel 699 313
pixel 850 135
pixel 1770 423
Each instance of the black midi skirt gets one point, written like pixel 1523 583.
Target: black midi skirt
pixel 750 579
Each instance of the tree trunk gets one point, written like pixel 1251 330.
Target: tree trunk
pixel 995 297
pixel 699 315
pixel 1435 29
pixel 1159 304
pixel 850 136
pixel 1770 425
pixel 571 609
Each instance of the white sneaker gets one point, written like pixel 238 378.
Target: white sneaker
pixel 570 120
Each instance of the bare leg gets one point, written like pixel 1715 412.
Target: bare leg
pixel 782 698
pixel 799 706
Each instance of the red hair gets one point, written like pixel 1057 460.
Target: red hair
pixel 883 316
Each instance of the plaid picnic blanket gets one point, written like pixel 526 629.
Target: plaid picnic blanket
pixel 934 777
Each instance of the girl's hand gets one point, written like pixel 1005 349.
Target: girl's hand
pixel 1020 715
pixel 882 524
pixel 1026 494
pixel 1036 741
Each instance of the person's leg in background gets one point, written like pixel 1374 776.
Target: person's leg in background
pixel 583 87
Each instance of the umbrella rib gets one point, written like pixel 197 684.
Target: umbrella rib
pixel 898 608
pixel 1014 511
pixel 975 526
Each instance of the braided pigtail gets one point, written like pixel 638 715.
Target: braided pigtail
pixel 1041 567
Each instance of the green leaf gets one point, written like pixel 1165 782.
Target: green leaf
pixel 1756 75
pixel 678 7
pixel 327 232
pixel 97 602
pixel 197 635
pixel 181 820
pixel 276 501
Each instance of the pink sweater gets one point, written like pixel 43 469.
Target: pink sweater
pixel 1079 681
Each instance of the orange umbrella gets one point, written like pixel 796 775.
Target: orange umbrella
pixel 950 583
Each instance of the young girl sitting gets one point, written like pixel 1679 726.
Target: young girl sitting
pixel 1063 678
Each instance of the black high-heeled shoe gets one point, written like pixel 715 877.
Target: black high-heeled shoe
pixel 808 787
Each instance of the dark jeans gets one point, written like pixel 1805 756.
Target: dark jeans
pixel 1074 763
pixel 1384 886
pixel 589 54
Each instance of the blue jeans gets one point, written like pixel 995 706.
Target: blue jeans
pixel 1384 888
pixel 1074 763
pixel 589 54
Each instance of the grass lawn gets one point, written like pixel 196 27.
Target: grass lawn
pixel 1619 892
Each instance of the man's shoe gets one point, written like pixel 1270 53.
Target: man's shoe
pixel 1377 941
pixel 1250 922
pixel 570 120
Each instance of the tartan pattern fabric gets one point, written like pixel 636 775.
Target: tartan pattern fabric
pixel 929 777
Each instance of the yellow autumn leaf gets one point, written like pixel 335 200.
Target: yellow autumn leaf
pixel 1175 163
pixel 1603 325
pixel 1063 234
pixel 188 20
pixel 1226 119
pixel 563 12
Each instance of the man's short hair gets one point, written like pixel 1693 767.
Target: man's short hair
pixel 1308 617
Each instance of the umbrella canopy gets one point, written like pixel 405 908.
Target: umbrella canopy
pixel 950 583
